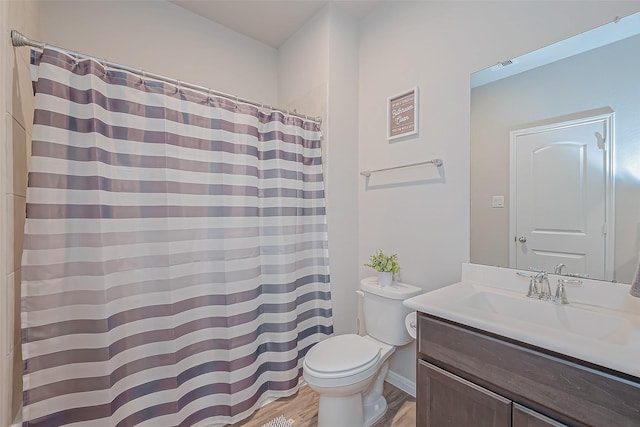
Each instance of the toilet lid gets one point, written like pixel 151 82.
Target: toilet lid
pixel 346 354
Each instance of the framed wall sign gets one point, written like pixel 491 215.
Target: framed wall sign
pixel 402 114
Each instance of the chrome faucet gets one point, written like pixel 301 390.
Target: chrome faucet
pixel 539 287
pixel 545 290
pixel 558 268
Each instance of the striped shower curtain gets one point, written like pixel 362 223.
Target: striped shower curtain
pixel 175 266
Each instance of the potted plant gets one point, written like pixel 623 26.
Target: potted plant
pixel 385 265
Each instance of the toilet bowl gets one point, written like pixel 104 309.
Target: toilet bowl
pixel 348 371
pixel 345 371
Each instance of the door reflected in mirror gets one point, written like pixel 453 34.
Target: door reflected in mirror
pixel 570 199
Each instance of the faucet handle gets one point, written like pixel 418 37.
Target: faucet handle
pixel 561 293
pixel 533 288
pixel 574 282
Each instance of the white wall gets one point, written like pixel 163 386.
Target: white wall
pixel 321 60
pixel 420 214
pixel 165 39
pixel 342 170
pixel 303 60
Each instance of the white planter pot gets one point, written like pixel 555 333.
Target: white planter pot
pixel 385 278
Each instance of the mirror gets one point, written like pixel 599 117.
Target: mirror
pixel 591 79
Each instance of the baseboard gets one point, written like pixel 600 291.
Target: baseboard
pixel 402 383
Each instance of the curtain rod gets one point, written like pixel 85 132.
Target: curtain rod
pixel 18 40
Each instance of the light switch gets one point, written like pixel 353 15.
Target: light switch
pixel 497 202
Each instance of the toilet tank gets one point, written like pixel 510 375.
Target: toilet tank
pixel 384 312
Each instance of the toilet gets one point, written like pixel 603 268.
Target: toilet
pixel 348 371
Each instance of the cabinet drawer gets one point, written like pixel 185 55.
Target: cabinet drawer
pixel 566 391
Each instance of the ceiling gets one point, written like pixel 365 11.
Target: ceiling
pixel 269 21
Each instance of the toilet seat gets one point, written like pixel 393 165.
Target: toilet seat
pixel 342 356
pixel 348 371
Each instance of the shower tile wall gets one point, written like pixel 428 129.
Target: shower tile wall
pixel 16 124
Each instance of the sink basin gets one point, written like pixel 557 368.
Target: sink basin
pixel 600 325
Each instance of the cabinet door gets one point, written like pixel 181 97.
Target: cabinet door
pixel 525 417
pixel 444 399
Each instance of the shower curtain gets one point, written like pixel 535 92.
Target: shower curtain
pixel 175 267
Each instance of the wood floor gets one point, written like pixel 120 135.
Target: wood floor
pixel 302 407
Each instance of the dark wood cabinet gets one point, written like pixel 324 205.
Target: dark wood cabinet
pixel 448 400
pixel 525 417
pixel 467 377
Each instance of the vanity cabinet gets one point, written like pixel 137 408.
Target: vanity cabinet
pixel 454 401
pixel 525 417
pixel 468 377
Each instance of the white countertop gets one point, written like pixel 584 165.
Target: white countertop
pixel 600 325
